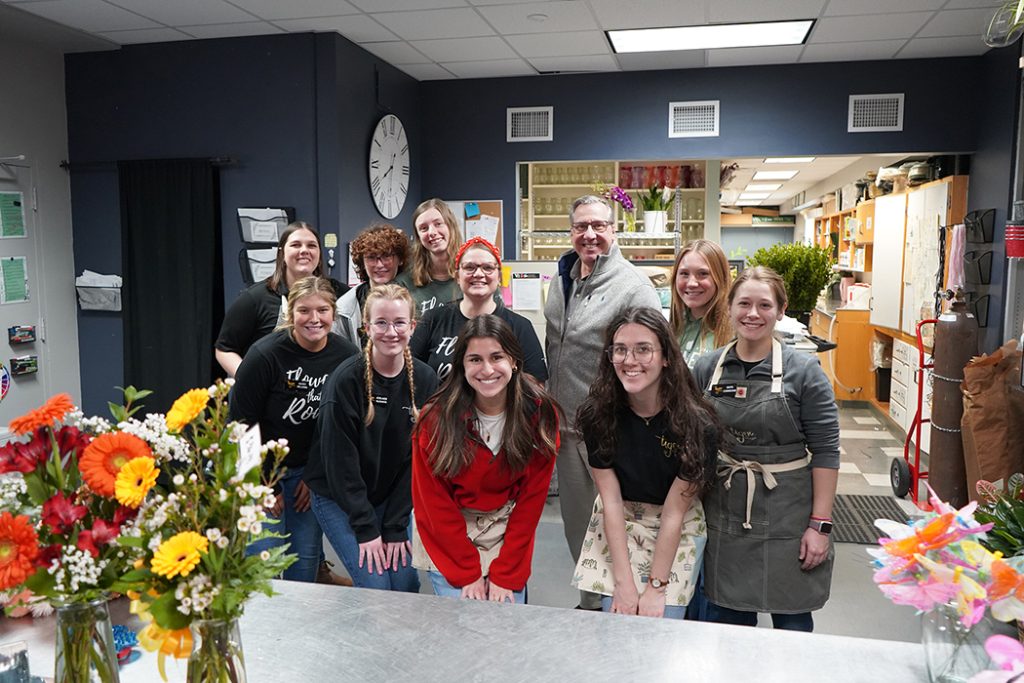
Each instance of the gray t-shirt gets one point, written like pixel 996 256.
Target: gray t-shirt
pixel 431 295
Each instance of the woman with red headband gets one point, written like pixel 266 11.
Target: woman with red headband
pixel 478 268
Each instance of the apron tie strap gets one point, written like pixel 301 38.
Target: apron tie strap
pixel 728 466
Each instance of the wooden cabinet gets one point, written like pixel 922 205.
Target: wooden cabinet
pixel 848 365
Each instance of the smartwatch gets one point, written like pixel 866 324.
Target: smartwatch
pixel 657 584
pixel 822 526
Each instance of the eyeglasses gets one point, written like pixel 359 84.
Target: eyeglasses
pixel 643 353
pixel 470 268
pixel 382 326
pixel 596 226
pixel 385 258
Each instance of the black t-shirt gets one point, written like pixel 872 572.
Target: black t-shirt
pixel 278 385
pixel 254 315
pixel 436 335
pixel 646 459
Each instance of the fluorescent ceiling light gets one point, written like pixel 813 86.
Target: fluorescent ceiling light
pixel 749 202
pixel 755 195
pixel 710 37
pixel 762 187
pixel 774 175
pixel 790 160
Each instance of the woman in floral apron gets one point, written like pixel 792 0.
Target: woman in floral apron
pixel 769 513
pixel 652 441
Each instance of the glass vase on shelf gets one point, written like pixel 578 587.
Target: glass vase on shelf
pixel 954 652
pixel 217 655
pixel 84 643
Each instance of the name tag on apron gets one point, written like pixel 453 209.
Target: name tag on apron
pixel 729 390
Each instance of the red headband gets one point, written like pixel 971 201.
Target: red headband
pixel 477 242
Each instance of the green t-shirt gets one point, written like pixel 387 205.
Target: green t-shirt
pixel 692 343
pixel 431 295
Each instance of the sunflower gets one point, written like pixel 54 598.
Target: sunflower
pixel 186 408
pixel 53 410
pixel 106 455
pixel 19 546
pixel 134 481
pixel 179 554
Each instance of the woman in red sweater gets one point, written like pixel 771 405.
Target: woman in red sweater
pixel 483 452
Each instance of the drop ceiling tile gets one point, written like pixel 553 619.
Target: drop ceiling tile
pixel 949 46
pixel 490 69
pixel 646 61
pixel 145 35
pixel 358 28
pixel 845 7
pixel 563 15
pixel 560 44
pixel 465 49
pixel 750 56
pixel 395 52
pixel 426 72
pixel 436 23
pixel 182 12
pixel 248 28
pixel 957 22
pixel 613 14
pixel 405 5
pixel 88 15
pixel 876 27
pixel 846 52
pixel 765 10
pixel 296 9
pixel 586 63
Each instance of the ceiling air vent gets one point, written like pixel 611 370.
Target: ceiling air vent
pixel 875 113
pixel 529 124
pixel 693 119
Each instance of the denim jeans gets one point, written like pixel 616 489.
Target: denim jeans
pixel 304 535
pixel 444 589
pixel 335 524
pixel 788 622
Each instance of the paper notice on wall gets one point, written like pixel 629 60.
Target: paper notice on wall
pixel 485 226
pixel 13 280
pixel 12 214
pixel 526 294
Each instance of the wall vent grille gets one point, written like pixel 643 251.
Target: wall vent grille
pixel 693 119
pixel 875 113
pixel 529 124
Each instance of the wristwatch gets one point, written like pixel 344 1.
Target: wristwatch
pixel 822 526
pixel 657 584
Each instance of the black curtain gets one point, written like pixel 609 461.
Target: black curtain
pixel 173 286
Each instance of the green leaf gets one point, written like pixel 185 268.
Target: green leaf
pixel 36 489
pixel 165 611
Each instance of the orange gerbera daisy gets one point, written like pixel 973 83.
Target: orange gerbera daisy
pixel 106 455
pixel 54 409
pixel 19 545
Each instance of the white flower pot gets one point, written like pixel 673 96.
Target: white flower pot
pixel 655 222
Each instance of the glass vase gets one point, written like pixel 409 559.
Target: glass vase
pixel 216 652
pixel 954 652
pixel 84 644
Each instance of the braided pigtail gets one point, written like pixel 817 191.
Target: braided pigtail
pixel 413 410
pixel 368 354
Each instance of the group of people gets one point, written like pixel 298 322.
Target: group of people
pixel 697 456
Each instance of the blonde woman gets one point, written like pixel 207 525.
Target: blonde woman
pixel 361 467
pixel 700 312
pixel 430 277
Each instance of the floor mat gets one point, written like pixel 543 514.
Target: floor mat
pixel 854 517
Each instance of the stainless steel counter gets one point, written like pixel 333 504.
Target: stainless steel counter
pixel 325 633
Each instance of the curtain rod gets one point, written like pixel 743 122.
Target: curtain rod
pixel 83 165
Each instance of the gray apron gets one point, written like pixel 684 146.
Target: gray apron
pixel 760 505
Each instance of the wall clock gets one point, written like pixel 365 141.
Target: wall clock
pixel 389 166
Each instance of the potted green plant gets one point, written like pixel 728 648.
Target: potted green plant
pixel 1005 510
pixel 655 202
pixel 806 269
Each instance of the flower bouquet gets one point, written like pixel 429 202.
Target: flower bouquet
pixel 614 193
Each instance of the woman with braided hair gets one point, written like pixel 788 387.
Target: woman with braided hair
pixel 360 467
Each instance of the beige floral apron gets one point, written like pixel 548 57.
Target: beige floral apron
pixel 643 520
pixel 759 508
pixel 486 530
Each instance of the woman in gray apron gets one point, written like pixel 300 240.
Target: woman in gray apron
pixel 652 441
pixel 769 514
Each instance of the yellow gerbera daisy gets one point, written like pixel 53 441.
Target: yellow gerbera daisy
pixel 134 480
pixel 179 554
pixel 186 408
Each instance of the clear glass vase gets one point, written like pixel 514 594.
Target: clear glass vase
pixel 84 644
pixel 954 652
pixel 216 652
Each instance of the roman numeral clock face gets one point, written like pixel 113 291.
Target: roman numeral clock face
pixel 389 166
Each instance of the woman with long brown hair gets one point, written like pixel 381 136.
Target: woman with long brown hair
pixel 430 277
pixel 700 314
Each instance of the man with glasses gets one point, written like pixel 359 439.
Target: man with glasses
pixel 593 285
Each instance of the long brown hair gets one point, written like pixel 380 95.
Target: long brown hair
pixel 531 415
pixel 689 414
pixel 389 292
pixel 304 287
pixel 716 319
pixel 280 270
pixel 420 265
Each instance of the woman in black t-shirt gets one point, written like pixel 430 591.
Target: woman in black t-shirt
pixel 651 441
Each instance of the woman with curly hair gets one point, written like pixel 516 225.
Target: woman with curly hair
pixel 379 254
pixel 430 277
pixel 652 441
pixel 483 454
pixel 700 314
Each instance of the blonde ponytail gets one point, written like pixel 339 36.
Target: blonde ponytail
pixel 368 355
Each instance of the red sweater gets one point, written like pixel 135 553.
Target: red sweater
pixel 486 484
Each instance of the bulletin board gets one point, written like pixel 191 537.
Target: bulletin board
pixel 479 217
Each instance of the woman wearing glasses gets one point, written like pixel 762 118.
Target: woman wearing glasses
pixel 379 254
pixel 482 461
pixel 430 277
pixel 478 266
pixel 651 441
pixel 360 468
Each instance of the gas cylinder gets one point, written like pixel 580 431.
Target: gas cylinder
pixel 956 342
